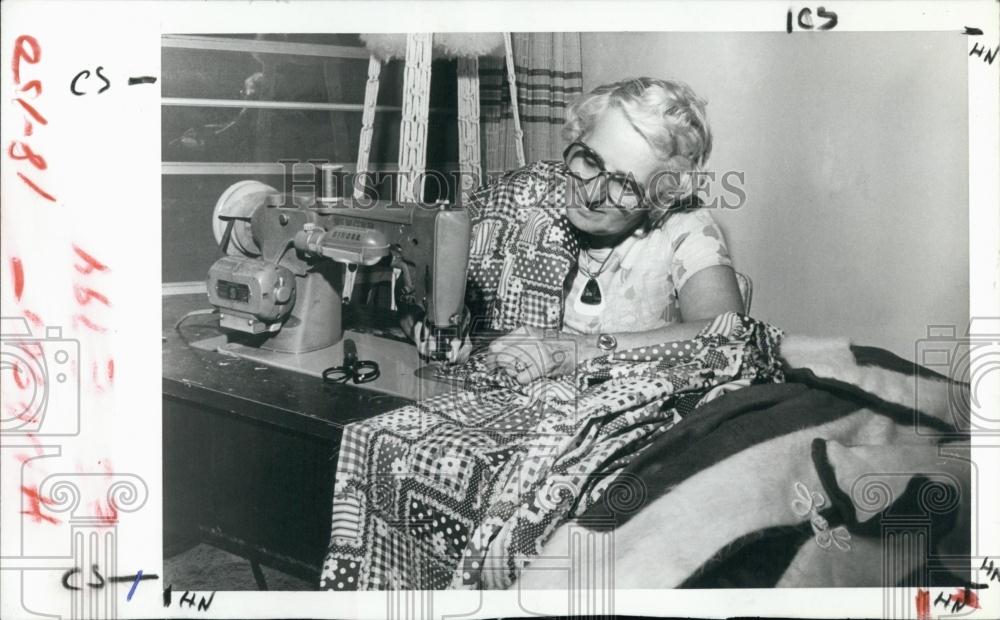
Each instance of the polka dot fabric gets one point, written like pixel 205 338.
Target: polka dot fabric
pixel 461 490
pixel 522 248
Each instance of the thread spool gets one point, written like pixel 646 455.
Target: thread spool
pixel 328 183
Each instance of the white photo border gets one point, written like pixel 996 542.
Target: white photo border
pixel 104 166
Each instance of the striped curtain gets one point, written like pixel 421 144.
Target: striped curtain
pixel 548 70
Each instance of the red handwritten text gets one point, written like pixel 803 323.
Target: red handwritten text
pixel 27 50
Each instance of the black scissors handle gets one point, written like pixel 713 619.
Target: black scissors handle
pixel 365 371
pixel 358 371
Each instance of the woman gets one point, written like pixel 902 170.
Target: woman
pixel 649 270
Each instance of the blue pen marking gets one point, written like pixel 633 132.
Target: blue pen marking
pixel 138 578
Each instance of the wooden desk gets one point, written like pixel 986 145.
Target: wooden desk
pixel 249 451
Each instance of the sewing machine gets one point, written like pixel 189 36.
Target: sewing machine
pixel 292 260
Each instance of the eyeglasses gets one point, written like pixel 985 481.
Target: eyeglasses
pixel 620 189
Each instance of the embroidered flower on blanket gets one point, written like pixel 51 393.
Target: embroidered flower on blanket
pixel 807 504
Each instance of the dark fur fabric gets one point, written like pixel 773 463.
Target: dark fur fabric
pixel 855 434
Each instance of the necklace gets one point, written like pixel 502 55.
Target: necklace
pixel 591 294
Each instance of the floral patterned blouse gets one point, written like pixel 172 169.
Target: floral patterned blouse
pixel 639 283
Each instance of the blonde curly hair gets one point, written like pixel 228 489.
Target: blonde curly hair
pixel 672 119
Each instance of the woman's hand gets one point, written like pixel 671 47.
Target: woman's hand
pixel 527 354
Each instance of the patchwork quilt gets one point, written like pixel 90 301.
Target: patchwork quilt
pixel 431 494
pixel 522 248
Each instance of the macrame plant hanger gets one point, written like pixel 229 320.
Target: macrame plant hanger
pixel 512 81
pixel 468 125
pixel 367 126
pixel 413 125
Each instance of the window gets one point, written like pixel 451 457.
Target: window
pixel 234 106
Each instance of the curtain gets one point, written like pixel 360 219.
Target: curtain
pixel 548 72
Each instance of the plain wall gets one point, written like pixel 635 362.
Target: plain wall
pixel 855 153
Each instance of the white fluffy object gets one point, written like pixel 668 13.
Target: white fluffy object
pixel 446 44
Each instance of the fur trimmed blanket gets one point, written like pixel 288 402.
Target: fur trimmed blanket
pixel 850 474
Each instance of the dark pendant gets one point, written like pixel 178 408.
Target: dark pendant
pixel 591 293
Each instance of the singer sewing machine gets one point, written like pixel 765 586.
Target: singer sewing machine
pixel 292 261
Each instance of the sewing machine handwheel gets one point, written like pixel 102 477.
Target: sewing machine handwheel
pixel 238 203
